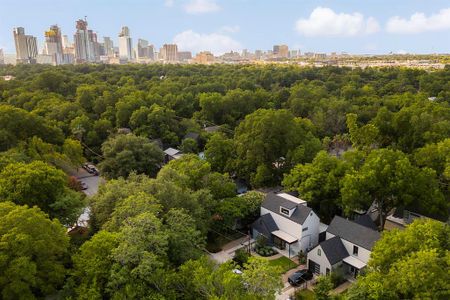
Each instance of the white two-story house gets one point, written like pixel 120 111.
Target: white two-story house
pixel 287 223
pixel 347 244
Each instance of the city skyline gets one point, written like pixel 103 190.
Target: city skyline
pixel 221 26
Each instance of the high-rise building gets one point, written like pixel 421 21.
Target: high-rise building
pixel 169 52
pixel 108 45
pixel 125 44
pixel 86 45
pixel 184 55
pixel 142 49
pixel 65 42
pixel 281 51
pixel 53 45
pixel 204 57
pixel 26 46
pixel 2 58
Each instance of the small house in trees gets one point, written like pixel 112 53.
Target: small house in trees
pixel 171 154
pixel 348 245
pixel 287 223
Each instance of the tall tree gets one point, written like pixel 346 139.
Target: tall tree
pixel 127 153
pixel 388 179
pixel 32 251
pixel 408 264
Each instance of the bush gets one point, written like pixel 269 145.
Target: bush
pixel 337 277
pixel 265 251
pixel 241 257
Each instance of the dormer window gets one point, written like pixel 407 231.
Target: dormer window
pixel 284 211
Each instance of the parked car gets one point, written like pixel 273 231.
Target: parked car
pixel 300 277
pixel 84 185
pixel 91 169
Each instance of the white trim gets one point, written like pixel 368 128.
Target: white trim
pixel 284 236
pixel 353 261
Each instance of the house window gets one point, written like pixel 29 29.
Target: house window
pixel 327 271
pixel 304 229
pixel 284 211
pixel 319 252
pixel 355 250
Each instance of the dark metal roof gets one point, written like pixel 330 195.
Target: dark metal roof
pixel 265 225
pixel 273 202
pixel 191 135
pixel 334 250
pixel 353 232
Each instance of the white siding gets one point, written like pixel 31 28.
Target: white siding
pixel 310 237
pixel 363 254
pixel 321 260
pixel 307 239
pixel 284 223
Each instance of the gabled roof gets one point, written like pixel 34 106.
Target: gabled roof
pixel 265 225
pixel 273 202
pixel 353 232
pixel 366 220
pixel 334 250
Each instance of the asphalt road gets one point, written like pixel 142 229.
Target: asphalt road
pixel 93 183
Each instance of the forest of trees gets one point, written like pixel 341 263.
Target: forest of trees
pixel 342 138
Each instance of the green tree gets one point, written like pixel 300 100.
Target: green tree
pixel 323 287
pixel 318 182
pixel 127 153
pixel 32 251
pixel 219 150
pixel 92 265
pixel 262 280
pixel 388 179
pixel 185 241
pixel 189 146
pixel 38 183
pixel 408 264
pixel 364 137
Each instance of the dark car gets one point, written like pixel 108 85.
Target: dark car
pixel 300 277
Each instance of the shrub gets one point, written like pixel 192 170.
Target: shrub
pixel 241 257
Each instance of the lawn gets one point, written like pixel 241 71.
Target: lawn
pixel 284 263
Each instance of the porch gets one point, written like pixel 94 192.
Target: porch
pixel 352 267
pixel 283 243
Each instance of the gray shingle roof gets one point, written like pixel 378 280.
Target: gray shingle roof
pixel 353 232
pixel 334 250
pixel 273 202
pixel 265 225
pixel 365 220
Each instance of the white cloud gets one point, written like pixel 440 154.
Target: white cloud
pixel 217 43
pixel 324 21
pixel 419 23
pixel 201 6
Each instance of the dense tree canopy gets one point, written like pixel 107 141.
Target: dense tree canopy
pixel 408 264
pixel 32 252
pixel 343 138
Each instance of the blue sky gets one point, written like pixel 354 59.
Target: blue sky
pixel 354 26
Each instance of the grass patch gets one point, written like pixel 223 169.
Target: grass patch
pixel 304 295
pixel 284 263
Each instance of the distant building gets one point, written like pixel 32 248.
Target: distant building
pixel 86 45
pixel 145 51
pixel 26 46
pixel 184 55
pixel 281 51
pixel 204 57
pixel 2 58
pixel 45 59
pixel 54 45
pixel 108 46
pixel 169 52
pixel 125 44
pixel 65 42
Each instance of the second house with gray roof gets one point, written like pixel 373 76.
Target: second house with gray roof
pixel 287 223
pixel 348 245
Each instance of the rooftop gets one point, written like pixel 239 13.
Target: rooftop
pixel 334 250
pixel 273 202
pixel 353 232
